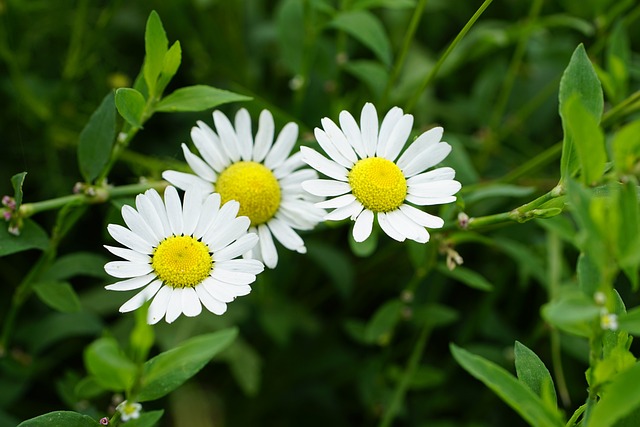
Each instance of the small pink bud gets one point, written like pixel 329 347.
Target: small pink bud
pixel 104 421
pixel 6 215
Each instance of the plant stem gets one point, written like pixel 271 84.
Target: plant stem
pixel 412 102
pixel 575 416
pixel 542 159
pixel 630 105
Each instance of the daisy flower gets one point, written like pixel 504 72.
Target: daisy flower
pixel 259 174
pixel 182 256
pixel 367 179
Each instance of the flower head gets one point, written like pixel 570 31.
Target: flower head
pixel 367 179
pixel 182 255
pixel 259 174
pixel 129 411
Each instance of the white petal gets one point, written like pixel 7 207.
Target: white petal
pixel 435 188
pixel 128 238
pixel 285 235
pixel 424 141
pixel 128 254
pixel 234 229
pixel 388 123
pixel 147 211
pixel 220 290
pixel 125 269
pixel 137 224
pixel 184 181
pixel 174 308
pixel 422 218
pixel 227 134
pixel 326 187
pixel 233 277
pixel 388 228
pixel 300 214
pixel 191 211
pixel 141 297
pixel 433 175
pixel 237 248
pixel 352 132
pixel 264 137
pixel 245 138
pixel 363 226
pixel 282 147
pixel 131 284
pixel 198 165
pixel 352 210
pixel 407 227
pixel 332 151
pixel 174 210
pixel 208 215
pixel 292 184
pixel 323 165
pixel 252 266
pixel 430 157
pixel 158 307
pixel 339 140
pixel 369 128
pixel 225 216
pixel 337 202
pixel 213 305
pixel 398 137
pixel 158 207
pixel 428 201
pixel 292 163
pixel 267 247
pixel 191 303
pixel 209 146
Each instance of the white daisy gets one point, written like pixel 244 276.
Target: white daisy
pixel 367 179
pixel 258 174
pixel 182 256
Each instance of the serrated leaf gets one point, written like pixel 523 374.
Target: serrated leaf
pixel 466 276
pixel 130 104
pixel 620 398
pixel 167 371
pixel 32 236
pixel 112 369
pixel 58 295
pixel 96 139
pixel 61 418
pixel 17 180
pixel 368 30
pixel 197 98
pixel 513 392
pixel 532 371
pixel 156 45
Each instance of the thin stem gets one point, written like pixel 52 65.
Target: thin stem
pixel 541 160
pixel 630 105
pixel 575 416
pixel 412 102
pixel 406 44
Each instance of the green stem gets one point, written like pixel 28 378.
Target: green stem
pixel 412 102
pixel 630 105
pixel 595 348
pixel 575 416
pixel 406 44
pixel 541 160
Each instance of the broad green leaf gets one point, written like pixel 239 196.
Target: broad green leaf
pixel 32 236
pixel 170 65
pixel 513 392
pixel 466 276
pixel 532 371
pixel 96 139
pixel 17 180
pixel 88 388
pixel 620 397
pixel 572 312
pixel 167 371
pixel 78 264
pixel 630 321
pixel 589 275
pixel 588 138
pixel 368 30
pixel 112 369
pixel 391 4
pixel 130 104
pixel 626 148
pixel 156 45
pixel 435 315
pixel 579 78
pixel 60 326
pixel 381 325
pixel 290 25
pixel 335 263
pixel 61 418
pixel 146 419
pixel 58 295
pixel 366 248
pixel 371 73
pixel 245 364
pixel 197 98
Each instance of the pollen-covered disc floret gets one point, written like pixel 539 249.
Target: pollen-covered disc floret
pixel 369 177
pixel 182 255
pixel 259 174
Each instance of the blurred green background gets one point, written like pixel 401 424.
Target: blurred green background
pixel 325 336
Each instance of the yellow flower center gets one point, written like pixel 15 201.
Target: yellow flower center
pixel 378 184
pixel 252 185
pixel 182 261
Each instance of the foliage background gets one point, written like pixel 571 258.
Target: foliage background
pixel 325 337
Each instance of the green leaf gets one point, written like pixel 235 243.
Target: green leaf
pixel 498 190
pixel 32 236
pixel 366 248
pixel 156 46
pixel 532 371
pixel 335 263
pixel 579 78
pixel 167 371
pixel 381 325
pixel 130 104
pixel 197 98
pixel 142 335
pixel 466 276
pixel 60 326
pixel 589 275
pixel 96 139
pixel 61 418
pixel 572 312
pixel 170 65
pixel 588 138
pixel 290 24
pixel 435 315
pixel 391 4
pixel 630 321
pixel 17 180
pixel 106 361
pixel 88 388
pixel 619 398
pixel 78 264
pixel 628 233
pixel 513 392
pixel 371 73
pixel 626 148
pixel 58 295
pixel 368 30
pixel 146 419
pixel 245 364
pixel 618 58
